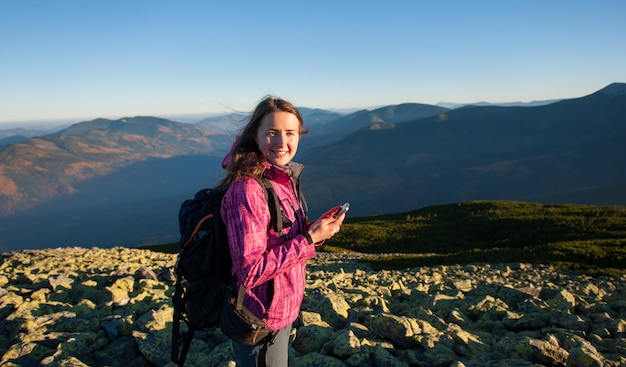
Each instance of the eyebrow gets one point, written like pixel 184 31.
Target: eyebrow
pixel 273 129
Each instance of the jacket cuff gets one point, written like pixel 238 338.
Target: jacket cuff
pixel 308 237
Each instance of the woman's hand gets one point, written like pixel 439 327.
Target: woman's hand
pixel 326 225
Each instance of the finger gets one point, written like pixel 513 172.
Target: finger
pixel 339 220
pixel 331 212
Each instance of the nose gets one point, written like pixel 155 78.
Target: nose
pixel 280 139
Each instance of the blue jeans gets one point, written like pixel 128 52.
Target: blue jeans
pixel 271 353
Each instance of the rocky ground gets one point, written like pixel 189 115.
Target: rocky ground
pixel 111 307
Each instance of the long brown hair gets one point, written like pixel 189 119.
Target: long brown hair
pixel 246 158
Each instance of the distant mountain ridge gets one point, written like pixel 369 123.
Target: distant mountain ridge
pixel 515 153
pixel 453 105
pixel 16 135
pixel 345 125
pixel 109 182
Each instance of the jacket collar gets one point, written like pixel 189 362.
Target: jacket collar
pixel 292 170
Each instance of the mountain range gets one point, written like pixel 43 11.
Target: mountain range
pixel 568 151
pixel 120 182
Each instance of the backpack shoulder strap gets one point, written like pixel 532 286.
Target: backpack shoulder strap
pixel 272 202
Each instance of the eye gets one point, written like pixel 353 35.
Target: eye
pixel 271 133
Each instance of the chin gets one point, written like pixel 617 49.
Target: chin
pixel 280 162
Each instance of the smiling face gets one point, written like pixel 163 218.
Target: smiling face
pixel 278 137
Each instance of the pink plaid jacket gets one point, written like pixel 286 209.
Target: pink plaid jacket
pixel 260 254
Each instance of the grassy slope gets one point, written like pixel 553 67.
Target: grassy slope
pixel 589 238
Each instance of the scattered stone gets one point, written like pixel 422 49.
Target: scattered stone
pixel 112 307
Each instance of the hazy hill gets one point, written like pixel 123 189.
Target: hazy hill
pixel 335 130
pixel 452 105
pixel 16 135
pixel 38 169
pixel 516 153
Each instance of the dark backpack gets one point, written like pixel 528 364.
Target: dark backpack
pixel 203 266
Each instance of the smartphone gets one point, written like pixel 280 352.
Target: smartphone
pixel 344 209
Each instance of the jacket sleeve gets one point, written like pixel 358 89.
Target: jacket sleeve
pixel 258 254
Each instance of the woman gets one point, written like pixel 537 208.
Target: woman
pixel 271 266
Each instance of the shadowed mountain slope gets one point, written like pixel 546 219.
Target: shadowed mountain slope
pixel 514 153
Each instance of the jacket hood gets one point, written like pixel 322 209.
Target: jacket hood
pixel 229 155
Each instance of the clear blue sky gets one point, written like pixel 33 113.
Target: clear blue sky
pixel 83 59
